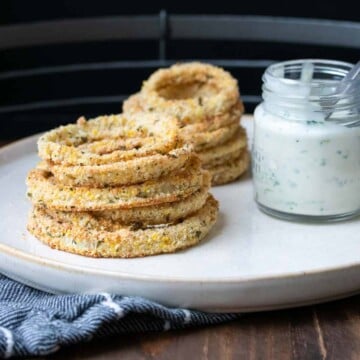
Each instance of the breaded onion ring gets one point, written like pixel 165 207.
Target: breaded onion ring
pixel 43 189
pixel 137 103
pixel 209 139
pixel 108 139
pixel 131 171
pixel 90 238
pixel 191 91
pixel 231 170
pixel 201 135
pixel 224 159
pixel 165 213
pixel 218 154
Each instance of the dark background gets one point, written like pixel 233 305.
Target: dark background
pixel 33 89
pixel 23 10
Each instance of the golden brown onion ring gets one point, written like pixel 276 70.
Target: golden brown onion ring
pixel 137 103
pixel 231 170
pixel 165 213
pixel 221 153
pixel 89 238
pixel 191 91
pixel 43 189
pixel 209 139
pixel 131 171
pixel 108 139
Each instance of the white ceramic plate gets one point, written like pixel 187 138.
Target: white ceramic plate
pixel 249 262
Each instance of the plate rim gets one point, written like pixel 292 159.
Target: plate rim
pixel 41 261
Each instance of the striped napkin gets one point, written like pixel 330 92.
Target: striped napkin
pixel 34 322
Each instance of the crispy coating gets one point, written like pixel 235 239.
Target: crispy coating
pixel 165 213
pixel 86 236
pixel 191 91
pixel 230 171
pixel 218 121
pixel 209 139
pixel 224 152
pixel 43 189
pixel 109 139
pixel 125 172
pixel 202 135
pixel 138 103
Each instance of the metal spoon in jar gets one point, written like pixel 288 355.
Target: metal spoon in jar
pixel 349 83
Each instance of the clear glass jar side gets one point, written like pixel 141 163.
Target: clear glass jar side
pixel 303 166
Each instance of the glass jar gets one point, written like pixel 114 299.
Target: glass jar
pixel 306 149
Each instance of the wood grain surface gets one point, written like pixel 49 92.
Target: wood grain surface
pixel 327 331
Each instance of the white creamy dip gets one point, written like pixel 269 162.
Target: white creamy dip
pixel 306 148
pixel 306 167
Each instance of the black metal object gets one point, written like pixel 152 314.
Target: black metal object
pixel 80 30
pixel 205 27
pixel 164 33
pixel 34 98
pixel 264 28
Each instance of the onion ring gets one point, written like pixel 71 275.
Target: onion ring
pixel 137 103
pixel 115 240
pixel 108 139
pixel 43 189
pixel 231 170
pixel 209 139
pixel 230 157
pixel 165 213
pixel 201 135
pixel 131 171
pixel 192 91
pixel 218 154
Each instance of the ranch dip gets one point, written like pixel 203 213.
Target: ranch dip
pixel 306 151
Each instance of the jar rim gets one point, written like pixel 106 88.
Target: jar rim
pixel 273 71
pixel 283 83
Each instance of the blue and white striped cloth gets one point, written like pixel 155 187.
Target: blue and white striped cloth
pixel 33 322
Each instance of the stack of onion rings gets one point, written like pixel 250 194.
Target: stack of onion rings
pixel 119 186
pixel 206 101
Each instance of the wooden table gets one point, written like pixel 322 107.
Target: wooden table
pixel 328 331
